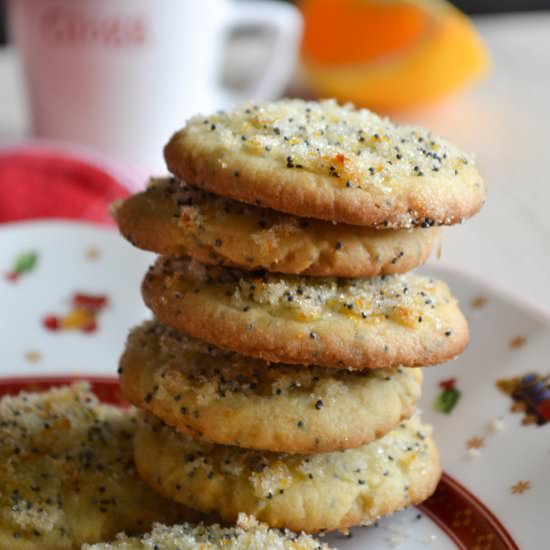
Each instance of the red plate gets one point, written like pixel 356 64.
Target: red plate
pixel 459 513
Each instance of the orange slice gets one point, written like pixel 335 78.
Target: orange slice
pixel 389 55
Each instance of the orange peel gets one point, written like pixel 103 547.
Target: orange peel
pixel 389 55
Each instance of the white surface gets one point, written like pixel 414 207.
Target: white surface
pixel 402 531
pixel 505 121
pixel 515 453
pixel 116 272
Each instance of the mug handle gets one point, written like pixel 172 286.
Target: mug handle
pixel 286 21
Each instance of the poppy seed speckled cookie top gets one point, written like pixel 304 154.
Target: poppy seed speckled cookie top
pixel 227 398
pixel 248 534
pixel 67 475
pixel 326 161
pixel 345 323
pixel 303 493
pixel 174 219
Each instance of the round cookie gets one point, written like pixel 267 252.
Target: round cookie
pixel 381 322
pixel 67 474
pixel 326 161
pixel 248 534
pixel 325 491
pixel 222 397
pixel 174 219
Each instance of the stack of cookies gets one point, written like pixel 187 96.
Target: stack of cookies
pixel 281 373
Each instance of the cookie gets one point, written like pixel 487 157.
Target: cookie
pixel 381 322
pixel 174 219
pixel 324 491
pixel 248 534
pixel 222 397
pixel 67 474
pixel 326 161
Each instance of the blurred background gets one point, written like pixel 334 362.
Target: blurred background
pixel 469 6
pixel 109 80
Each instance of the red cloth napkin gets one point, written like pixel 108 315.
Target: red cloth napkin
pixel 45 185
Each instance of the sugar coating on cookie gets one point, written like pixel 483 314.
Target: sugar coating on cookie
pixel 353 323
pixel 248 534
pixel 328 161
pixel 303 493
pixel 67 474
pixel 227 398
pixel 175 219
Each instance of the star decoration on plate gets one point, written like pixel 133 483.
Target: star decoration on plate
pixel 478 302
pixel 92 253
pixel 475 443
pixel 33 356
pixel 520 487
pixel 518 342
